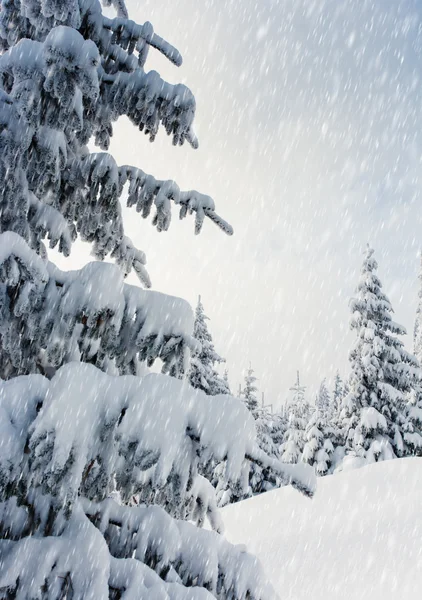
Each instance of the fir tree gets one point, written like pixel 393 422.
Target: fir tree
pixel 298 412
pixel 270 429
pixel 249 391
pixel 413 425
pixel 383 373
pixel 73 443
pixel 338 393
pixel 318 448
pixel 226 381
pixel 417 331
pixel 322 401
pixel 202 374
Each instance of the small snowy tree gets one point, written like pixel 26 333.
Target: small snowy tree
pixel 79 445
pixel 249 391
pixel 413 424
pixel 226 381
pixel 269 432
pixel 318 448
pixel 323 401
pixel 338 393
pixel 383 373
pixel 417 331
pixel 202 374
pixel 270 429
pixel 298 412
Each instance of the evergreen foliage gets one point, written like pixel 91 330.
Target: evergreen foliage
pixel 413 425
pixel 338 393
pixel 270 429
pixel 249 391
pixel 383 373
pixel 318 448
pixel 202 374
pixel 298 411
pixel 82 435
pixel 323 401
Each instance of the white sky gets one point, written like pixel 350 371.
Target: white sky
pixel 309 121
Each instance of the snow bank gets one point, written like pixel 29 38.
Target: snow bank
pixel 360 537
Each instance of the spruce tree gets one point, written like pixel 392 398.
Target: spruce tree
pixel 202 374
pixel 413 425
pixel 417 331
pixel 298 414
pixel 318 448
pixel 79 427
pixel 249 391
pixel 323 401
pixel 338 393
pixel 383 373
pixel 270 429
pixel 226 381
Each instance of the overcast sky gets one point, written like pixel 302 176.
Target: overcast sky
pixel 309 121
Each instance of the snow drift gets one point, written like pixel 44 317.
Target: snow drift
pixel 360 537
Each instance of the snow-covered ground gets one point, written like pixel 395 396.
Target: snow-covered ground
pixel 359 538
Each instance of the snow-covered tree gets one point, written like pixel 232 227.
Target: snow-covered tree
pixel 318 447
pixel 202 374
pixel 81 434
pixel 298 412
pixel 338 393
pixel 417 331
pixel 323 401
pixel 413 424
pixel 383 373
pixel 270 429
pixel 249 391
pixel 226 381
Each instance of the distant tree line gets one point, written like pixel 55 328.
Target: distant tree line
pixel 373 414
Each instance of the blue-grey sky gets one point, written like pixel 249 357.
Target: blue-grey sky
pixel 309 121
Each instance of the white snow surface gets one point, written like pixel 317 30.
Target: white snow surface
pixel 360 537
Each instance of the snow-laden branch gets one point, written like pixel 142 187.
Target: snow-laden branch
pixel 89 315
pixel 145 191
pixel 82 88
pixel 130 36
pixel 85 434
pixel 194 554
pixel 299 476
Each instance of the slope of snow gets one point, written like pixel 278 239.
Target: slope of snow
pixel 360 537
